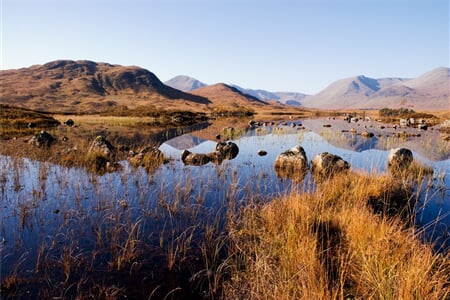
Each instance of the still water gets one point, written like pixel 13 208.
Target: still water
pixel 42 202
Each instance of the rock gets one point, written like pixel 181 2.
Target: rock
pixel 399 158
pixel 292 163
pixel 352 130
pixel 367 134
pixel 69 122
pixel 149 158
pixel 195 159
pixel 42 139
pixel 422 126
pixel 102 146
pixel 224 150
pixel 262 152
pixel 326 164
pixel 227 150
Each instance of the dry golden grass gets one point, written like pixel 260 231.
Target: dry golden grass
pixel 329 244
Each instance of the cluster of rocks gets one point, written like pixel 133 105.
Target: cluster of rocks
pixel 293 163
pixel 224 150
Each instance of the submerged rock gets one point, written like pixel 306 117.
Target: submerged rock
pixel 262 152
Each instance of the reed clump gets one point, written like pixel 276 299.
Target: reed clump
pixel 332 244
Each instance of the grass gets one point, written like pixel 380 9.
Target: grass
pixel 349 237
pixel 20 121
pixel 330 244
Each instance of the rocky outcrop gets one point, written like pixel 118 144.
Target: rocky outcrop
pixel 326 164
pixel 292 164
pixel 399 159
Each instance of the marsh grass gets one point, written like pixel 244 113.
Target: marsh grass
pixel 330 244
pixel 349 236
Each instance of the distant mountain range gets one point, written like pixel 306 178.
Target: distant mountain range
pixel 188 84
pixel 227 96
pixel 80 86
pixel 429 91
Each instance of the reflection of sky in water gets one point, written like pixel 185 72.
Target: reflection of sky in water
pixel 45 195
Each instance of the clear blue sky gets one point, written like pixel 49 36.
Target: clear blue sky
pixel 277 45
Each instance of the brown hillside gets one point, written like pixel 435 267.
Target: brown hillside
pixel 222 95
pixel 86 86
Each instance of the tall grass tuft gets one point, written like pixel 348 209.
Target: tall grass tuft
pixel 332 244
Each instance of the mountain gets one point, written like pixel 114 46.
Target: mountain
pixel 221 95
pixel 184 83
pixel 188 84
pixel 429 91
pixel 67 85
pixel 289 98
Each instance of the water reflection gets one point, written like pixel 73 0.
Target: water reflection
pixel 41 200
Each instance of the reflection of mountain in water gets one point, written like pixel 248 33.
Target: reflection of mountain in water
pixel 426 143
pixel 185 141
pixel 355 142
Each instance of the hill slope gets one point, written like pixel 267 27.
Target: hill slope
pixel 67 85
pixel 184 83
pixel 222 95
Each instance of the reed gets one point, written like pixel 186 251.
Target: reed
pixel 330 244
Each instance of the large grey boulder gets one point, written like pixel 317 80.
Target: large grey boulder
pixel 400 158
pixel 292 163
pixel 326 164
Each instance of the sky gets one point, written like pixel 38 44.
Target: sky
pixel 276 45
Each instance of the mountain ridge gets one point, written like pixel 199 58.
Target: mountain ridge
pixel 83 85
